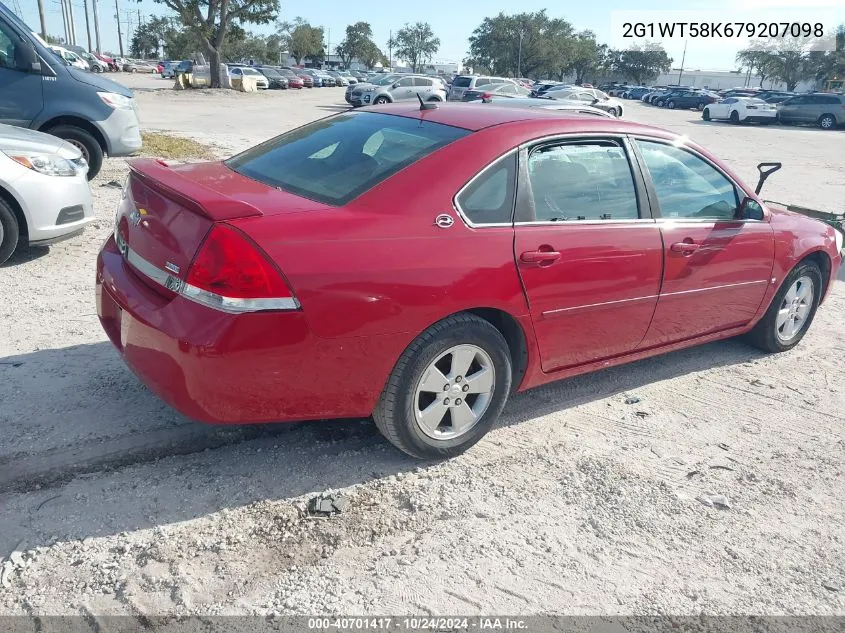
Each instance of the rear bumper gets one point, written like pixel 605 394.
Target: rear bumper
pixel 227 369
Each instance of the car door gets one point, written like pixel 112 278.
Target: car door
pixel 21 89
pixel 403 89
pixel 716 268
pixel 789 109
pixel 588 253
pixel 423 86
pixel 721 109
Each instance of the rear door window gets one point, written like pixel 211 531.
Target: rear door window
pixel 461 82
pixel 335 160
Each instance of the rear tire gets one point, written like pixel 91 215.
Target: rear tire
pixel 768 334
pixel 734 117
pixel 404 398
pixel 90 147
pixel 671 105
pixel 9 231
pixel 700 107
pixel 706 114
pixel 827 122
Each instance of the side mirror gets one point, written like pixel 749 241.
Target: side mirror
pixel 396 85
pixel 749 210
pixel 26 59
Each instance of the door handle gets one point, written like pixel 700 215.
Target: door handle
pixel 687 247
pixel 540 257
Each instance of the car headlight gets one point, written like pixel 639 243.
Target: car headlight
pixel 49 164
pixel 840 238
pixel 116 101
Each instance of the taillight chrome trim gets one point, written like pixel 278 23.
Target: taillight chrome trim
pixel 231 305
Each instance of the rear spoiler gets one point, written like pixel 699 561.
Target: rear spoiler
pixel 157 175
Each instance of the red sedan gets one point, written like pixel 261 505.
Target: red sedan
pixel 419 265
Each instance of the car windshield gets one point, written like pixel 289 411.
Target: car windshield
pixel 389 79
pixel 462 82
pixel 250 71
pixel 755 102
pixel 334 160
pixel 270 72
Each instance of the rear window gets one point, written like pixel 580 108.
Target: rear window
pixel 462 82
pixel 337 159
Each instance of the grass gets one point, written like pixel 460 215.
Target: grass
pixel 170 147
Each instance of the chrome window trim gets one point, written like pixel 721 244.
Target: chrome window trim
pixel 230 305
pixel 615 136
pixel 684 146
pixel 457 205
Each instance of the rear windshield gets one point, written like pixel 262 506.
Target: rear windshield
pixel 335 160
pixel 462 82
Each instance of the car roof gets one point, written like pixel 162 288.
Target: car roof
pixel 473 117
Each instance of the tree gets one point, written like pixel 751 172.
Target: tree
pixel 211 21
pixel 587 56
pixel 54 41
pixel 305 41
pixel 641 63
pixel 359 43
pixel 758 61
pixel 150 37
pixel 416 44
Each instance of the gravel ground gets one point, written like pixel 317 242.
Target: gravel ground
pixel 577 503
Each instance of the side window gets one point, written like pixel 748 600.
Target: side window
pixel 482 81
pixel 508 89
pixel 686 185
pixel 407 81
pixel 7 47
pixel 730 100
pixel 489 199
pixel 422 81
pixel 589 180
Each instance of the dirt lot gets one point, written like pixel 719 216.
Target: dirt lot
pixel 576 503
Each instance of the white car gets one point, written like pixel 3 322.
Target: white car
pixel 589 96
pixel 70 57
pixel 44 192
pixel 741 110
pixel 245 71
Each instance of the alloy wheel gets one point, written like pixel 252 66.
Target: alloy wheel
pixel 454 392
pixel 794 309
pixel 81 147
pixel 827 122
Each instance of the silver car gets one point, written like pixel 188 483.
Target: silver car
pixel 44 193
pixel 823 109
pixel 400 88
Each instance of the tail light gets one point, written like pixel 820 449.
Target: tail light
pixel 486 95
pixel 231 273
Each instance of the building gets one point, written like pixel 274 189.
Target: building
pixel 723 80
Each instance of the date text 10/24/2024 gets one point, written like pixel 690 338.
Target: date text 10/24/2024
pixel 421 623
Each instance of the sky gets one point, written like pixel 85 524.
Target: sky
pixel 453 22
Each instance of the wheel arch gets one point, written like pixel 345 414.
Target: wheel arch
pixel 77 122
pixel 17 209
pixel 514 335
pixel 831 115
pixel 823 261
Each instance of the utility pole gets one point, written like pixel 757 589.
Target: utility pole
pixel 329 47
pixel 119 34
pixel 139 18
pixel 72 24
pixel 683 58
pixel 390 49
pixel 64 21
pixel 87 25
pixel 43 22
pixel 96 26
pixel 519 59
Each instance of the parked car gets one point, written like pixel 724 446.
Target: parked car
pixel 307 80
pixel 44 193
pixel 329 80
pixel 402 88
pixel 317 79
pixel 739 92
pixel 823 109
pixel 339 80
pixel 636 92
pixel 741 110
pixel 168 69
pixel 775 96
pixel 386 252
pixel 589 96
pixel 543 87
pixel 93 113
pixel 544 103
pixel 360 87
pixel 616 91
pixel 70 57
pixel 274 78
pixel 294 80
pixel 686 100
pixel 502 90
pixel 136 66
pixel 112 64
pixel 350 78
pixel 94 65
pixel 463 83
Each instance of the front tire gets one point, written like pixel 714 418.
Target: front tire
pixel 9 231
pixel 381 100
pixel 671 105
pixel 791 312
pixel 615 112
pixel 87 144
pixel 447 389
pixel 706 114
pixel 734 117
